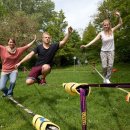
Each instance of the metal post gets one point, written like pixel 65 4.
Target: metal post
pixel 83 108
pixel 74 62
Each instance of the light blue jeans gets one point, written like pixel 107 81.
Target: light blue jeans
pixel 3 82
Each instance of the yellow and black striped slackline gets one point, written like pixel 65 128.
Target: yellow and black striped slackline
pixel 39 122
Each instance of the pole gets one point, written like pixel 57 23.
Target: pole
pixel 111 85
pixel 83 108
pixel 74 61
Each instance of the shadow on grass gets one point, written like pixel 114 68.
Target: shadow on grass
pixel 106 94
pixel 52 103
pixel 19 113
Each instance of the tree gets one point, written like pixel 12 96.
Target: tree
pixel 89 33
pixel 70 50
pixel 21 19
pixel 21 26
pixel 106 10
pixel 91 53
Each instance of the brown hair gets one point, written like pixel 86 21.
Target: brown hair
pixel 12 40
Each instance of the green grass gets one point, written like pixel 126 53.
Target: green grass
pixel 106 107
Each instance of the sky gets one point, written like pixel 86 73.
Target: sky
pixel 78 13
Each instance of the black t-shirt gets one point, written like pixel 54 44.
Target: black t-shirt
pixel 45 56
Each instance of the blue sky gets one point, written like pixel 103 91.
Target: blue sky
pixel 78 12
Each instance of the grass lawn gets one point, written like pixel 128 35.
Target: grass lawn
pixel 106 107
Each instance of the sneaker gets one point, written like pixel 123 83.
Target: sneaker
pixel 4 95
pixel 42 81
pixel 104 81
pixel 108 81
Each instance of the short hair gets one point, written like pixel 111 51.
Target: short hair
pixel 46 33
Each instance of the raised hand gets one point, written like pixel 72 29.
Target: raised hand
pixel 70 29
pixel 117 13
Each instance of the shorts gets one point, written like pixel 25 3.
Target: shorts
pixel 35 72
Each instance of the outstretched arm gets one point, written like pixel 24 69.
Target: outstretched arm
pixel 92 42
pixel 26 58
pixel 65 39
pixel 120 21
pixel 31 43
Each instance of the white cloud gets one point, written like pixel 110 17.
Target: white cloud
pixel 77 12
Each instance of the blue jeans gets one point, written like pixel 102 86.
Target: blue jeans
pixel 3 82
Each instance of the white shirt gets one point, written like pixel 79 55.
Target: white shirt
pixel 107 42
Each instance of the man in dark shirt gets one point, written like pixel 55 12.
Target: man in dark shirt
pixel 46 52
